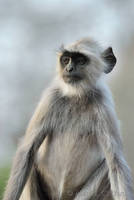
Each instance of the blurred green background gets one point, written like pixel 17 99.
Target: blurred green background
pixel 4 173
pixel 31 31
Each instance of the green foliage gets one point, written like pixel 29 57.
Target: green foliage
pixel 4 173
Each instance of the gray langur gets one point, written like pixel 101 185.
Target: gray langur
pixel 72 149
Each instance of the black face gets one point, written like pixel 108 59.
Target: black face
pixel 73 65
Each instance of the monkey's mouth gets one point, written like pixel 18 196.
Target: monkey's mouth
pixel 72 78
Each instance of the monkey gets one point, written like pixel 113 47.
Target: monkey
pixel 73 149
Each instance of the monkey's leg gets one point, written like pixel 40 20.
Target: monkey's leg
pixel 104 191
pixel 91 190
pixel 35 188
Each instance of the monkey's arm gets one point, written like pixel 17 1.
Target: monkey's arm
pixel 90 189
pixel 108 136
pixel 37 131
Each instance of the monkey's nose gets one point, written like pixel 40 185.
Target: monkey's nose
pixel 69 69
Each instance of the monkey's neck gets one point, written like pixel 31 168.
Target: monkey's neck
pixel 76 90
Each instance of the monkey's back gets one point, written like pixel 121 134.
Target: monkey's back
pixel 69 155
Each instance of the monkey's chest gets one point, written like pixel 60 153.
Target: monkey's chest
pixel 68 156
pixel 67 160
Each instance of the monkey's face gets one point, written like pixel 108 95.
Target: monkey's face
pixel 81 64
pixel 73 65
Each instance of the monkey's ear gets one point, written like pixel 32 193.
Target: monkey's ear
pixel 110 59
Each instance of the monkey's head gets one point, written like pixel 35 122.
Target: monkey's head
pixel 81 64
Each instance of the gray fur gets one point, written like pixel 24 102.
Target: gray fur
pixel 72 148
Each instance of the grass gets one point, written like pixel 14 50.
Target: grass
pixel 4 174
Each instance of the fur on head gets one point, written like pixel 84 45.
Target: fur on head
pixel 81 64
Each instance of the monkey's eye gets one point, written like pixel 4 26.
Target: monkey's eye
pixel 65 60
pixel 81 60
